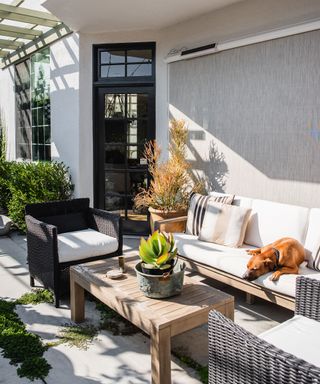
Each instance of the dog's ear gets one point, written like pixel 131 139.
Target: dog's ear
pixel 269 263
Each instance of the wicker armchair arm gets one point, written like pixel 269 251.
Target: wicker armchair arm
pixel 42 245
pixel 237 356
pixel 108 223
pixel 308 297
pixel 180 219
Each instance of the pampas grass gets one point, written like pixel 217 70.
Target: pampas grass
pixel 172 181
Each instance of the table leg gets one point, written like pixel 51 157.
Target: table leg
pixel 160 356
pixel 76 301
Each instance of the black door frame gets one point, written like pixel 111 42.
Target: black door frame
pixel 125 85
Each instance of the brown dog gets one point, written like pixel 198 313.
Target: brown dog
pixel 283 257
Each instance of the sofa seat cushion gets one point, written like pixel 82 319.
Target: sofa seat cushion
pixel 234 261
pixel 299 336
pixel 84 244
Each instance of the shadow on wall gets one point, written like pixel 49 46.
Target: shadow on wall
pixel 215 169
pixel 261 101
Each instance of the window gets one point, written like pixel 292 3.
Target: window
pixel 125 63
pixel 32 79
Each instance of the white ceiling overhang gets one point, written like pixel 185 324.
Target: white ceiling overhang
pixel 98 16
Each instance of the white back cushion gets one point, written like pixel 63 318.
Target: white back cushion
pixel 312 244
pixel 271 221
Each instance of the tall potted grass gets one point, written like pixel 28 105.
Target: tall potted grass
pixel 172 181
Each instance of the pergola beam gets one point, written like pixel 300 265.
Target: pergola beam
pixel 25 33
pixel 27 15
pixel 40 42
pixel 9 44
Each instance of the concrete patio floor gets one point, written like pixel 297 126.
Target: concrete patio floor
pixel 110 359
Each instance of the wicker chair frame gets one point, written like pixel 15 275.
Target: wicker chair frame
pixel 238 357
pixel 42 241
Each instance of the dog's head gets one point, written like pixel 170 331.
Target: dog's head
pixel 259 265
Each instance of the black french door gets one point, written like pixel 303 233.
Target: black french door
pixel 125 123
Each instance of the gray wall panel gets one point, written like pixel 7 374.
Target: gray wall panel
pixel 259 110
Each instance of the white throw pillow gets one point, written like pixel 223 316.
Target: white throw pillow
pixel 224 224
pixel 197 208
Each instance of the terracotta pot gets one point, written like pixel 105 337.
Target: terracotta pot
pixel 156 215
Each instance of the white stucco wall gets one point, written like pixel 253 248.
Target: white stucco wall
pixel 7 110
pixel 64 96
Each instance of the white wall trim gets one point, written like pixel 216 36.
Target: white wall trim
pixel 248 40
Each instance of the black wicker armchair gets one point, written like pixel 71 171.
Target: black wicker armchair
pixel 61 234
pixel 238 357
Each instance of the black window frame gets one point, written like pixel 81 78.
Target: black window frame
pixel 98 48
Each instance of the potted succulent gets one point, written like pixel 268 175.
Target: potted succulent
pixel 158 254
pixel 160 273
pixel 172 181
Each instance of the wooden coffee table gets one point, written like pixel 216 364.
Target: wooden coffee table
pixel 161 319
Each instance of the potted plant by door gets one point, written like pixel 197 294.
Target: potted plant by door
pixel 172 181
pixel 160 274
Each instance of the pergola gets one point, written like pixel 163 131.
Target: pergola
pixel 24 31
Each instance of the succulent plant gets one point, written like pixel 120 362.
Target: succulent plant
pixel 158 250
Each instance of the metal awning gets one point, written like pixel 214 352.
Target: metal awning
pixel 24 31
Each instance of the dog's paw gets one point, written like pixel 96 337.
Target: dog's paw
pixel 275 276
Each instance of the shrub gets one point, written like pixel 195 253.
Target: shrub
pixel 32 182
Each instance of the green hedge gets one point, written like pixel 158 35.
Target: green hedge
pixel 31 182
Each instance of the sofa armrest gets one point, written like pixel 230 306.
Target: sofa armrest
pixel 42 246
pixel 308 297
pixel 237 356
pixel 158 223
pixel 107 223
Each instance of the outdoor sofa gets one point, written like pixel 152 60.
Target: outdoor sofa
pixel 65 233
pixel 269 221
pixel 287 353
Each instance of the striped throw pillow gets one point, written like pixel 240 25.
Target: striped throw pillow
pixel 197 209
pixel 224 224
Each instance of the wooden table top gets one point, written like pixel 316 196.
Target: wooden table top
pixel 124 296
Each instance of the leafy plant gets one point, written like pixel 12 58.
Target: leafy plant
pixel 36 297
pixel 31 182
pixel 158 250
pixel 24 349
pixel 79 336
pixel 172 181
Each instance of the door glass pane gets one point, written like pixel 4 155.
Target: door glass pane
pixel 115 105
pixel 134 70
pixel 113 71
pixel 112 57
pixel 115 202
pixel 139 56
pixel 115 156
pixel 136 157
pixel 137 131
pixel 115 130
pixel 137 105
pixel 115 182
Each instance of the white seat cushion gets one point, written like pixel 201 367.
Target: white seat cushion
pixel 83 244
pixel 234 261
pixel 299 336
pixel 270 221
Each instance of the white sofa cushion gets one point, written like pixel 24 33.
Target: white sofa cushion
pixel 312 243
pixel 299 336
pixel 270 221
pixel 83 244
pixel 234 261
pixel 224 224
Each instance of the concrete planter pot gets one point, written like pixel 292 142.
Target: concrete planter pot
pixel 156 215
pixel 163 286
pixel 5 225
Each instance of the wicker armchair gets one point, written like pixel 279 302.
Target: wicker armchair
pixel 47 223
pixel 238 357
